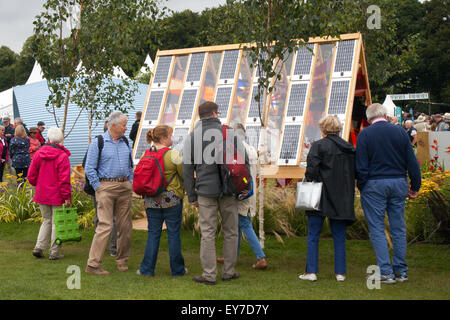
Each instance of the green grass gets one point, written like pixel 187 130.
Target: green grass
pixel 25 277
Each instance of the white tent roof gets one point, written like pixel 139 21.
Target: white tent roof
pixel 148 63
pixel 36 74
pixel 390 106
pixel 6 102
pixel 118 73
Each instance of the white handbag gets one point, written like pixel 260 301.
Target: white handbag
pixel 308 195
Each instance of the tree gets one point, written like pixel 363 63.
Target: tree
pixel 7 63
pixel 104 35
pixel 434 63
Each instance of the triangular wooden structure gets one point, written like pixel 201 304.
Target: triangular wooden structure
pixel 331 80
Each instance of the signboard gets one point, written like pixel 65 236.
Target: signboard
pixel 410 96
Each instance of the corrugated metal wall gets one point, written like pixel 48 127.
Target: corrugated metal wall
pixel 31 101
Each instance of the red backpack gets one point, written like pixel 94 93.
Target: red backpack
pixel 149 177
pixel 235 173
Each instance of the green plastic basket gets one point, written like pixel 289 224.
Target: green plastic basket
pixel 66 225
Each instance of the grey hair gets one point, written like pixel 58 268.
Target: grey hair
pixel 240 130
pixel 375 110
pixel 115 118
pixel 409 122
pixel 6 119
pixel 19 120
pixel 55 135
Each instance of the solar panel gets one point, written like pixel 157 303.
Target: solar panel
pixel 195 67
pixel 338 97
pixel 222 99
pixel 178 137
pixel 187 104
pixel 304 60
pixel 297 99
pixel 344 56
pixel 154 104
pixel 162 70
pixel 142 144
pixel 253 109
pixel 289 146
pixel 252 135
pixel 229 64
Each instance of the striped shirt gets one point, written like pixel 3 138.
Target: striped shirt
pixel 114 161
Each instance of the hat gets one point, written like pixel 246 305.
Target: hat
pixel 41 123
pixel 421 119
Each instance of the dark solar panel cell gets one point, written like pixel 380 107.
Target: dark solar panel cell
pixel 289 146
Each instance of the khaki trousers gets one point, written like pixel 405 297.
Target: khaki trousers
pixel 113 200
pixel 208 207
pixel 47 231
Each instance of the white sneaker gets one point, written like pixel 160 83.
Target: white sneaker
pixel 340 277
pixel 308 276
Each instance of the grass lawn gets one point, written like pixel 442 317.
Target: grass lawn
pixel 25 277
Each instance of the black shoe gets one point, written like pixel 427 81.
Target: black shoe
pixel 234 276
pixel 38 253
pixel 200 279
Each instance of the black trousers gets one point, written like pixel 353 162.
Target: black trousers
pixel 2 168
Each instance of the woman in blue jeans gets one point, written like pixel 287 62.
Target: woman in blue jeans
pixel 167 207
pixel 247 207
pixel 331 160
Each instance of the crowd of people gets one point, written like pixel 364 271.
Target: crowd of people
pixel 18 144
pixel 422 122
pixel 380 163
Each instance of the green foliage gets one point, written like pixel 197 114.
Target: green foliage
pixel 16 202
pixel 105 35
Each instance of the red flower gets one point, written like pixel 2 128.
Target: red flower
pixel 431 167
pixel 434 147
pixel 432 160
pixel 435 141
pixel 419 160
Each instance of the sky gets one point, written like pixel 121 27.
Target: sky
pixel 16 17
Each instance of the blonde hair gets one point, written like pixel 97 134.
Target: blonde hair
pixel 20 131
pixel 161 131
pixel 330 125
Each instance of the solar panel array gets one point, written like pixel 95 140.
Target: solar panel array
pixel 142 145
pixel 154 105
pixel 290 144
pixel 229 63
pixel 162 71
pixel 195 67
pixel 297 99
pixel 304 60
pixel 344 56
pixel 252 135
pixel 222 99
pixel 338 97
pixel 187 104
pixel 211 75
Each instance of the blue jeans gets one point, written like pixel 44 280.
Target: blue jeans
pixel 338 230
pixel 377 198
pixel 245 225
pixel 156 217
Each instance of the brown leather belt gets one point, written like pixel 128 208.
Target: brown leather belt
pixel 122 179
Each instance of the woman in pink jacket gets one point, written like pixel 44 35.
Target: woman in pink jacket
pixel 50 174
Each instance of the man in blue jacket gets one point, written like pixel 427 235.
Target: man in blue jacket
pixel 383 157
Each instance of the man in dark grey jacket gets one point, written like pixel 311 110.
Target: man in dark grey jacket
pixel 202 156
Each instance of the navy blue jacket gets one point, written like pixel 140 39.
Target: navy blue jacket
pixel 19 151
pixel 383 151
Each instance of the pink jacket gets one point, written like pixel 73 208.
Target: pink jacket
pixel 34 146
pixel 50 174
pixel 1 149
